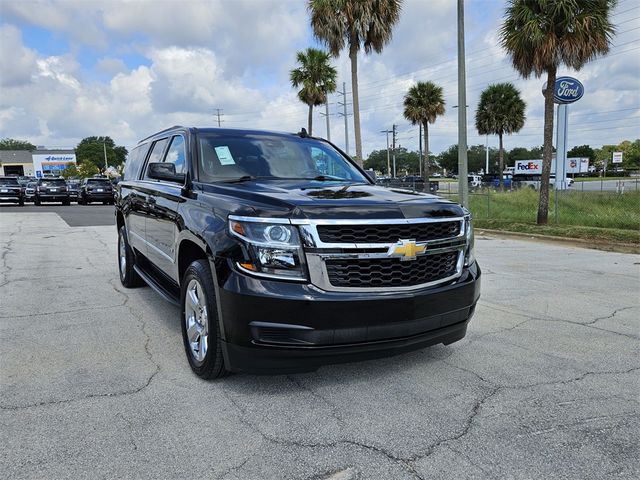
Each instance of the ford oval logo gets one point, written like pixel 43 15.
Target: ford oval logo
pixel 567 90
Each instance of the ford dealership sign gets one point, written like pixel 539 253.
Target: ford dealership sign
pixel 567 90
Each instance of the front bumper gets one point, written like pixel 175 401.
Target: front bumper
pixel 279 327
pixel 10 198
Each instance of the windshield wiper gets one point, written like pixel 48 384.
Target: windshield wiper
pixel 328 178
pixel 244 178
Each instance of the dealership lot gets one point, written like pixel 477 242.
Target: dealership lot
pixel 94 381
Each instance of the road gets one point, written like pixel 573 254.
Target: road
pixel 94 382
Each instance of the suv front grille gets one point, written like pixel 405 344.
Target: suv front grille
pixel 419 232
pixel 391 272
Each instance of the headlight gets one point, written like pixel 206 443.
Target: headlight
pixel 469 256
pixel 273 249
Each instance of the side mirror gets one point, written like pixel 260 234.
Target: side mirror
pixel 165 171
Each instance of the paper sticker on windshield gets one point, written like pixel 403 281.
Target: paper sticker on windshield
pixel 224 155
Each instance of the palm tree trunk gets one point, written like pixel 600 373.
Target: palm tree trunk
pixel 501 157
pixel 353 56
pixel 547 151
pixel 425 170
pixel 310 120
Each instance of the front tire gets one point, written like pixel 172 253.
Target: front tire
pixel 200 324
pixel 37 201
pixel 128 276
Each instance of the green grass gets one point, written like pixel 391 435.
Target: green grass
pixel 565 231
pixel 597 179
pixel 590 215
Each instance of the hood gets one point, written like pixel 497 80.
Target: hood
pixel 315 199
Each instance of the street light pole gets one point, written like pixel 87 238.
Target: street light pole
pixel 463 186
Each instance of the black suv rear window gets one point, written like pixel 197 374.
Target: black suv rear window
pixel 9 181
pixel 98 181
pixel 53 182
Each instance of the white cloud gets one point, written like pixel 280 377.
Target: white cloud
pixel 17 63
pixel 236 55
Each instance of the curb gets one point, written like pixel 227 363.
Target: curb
pixel 618 247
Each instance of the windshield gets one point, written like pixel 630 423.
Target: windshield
pixel 52 182
pixel 239 156
pixel 9 181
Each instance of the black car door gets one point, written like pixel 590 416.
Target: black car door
pixel 163 198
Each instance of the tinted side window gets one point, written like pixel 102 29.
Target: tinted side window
pixel 156 153
pixel 134 161
pixel 176 154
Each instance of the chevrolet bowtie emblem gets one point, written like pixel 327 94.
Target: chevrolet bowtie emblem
pixel 406 250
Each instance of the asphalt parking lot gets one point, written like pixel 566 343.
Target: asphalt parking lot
pixel 94 382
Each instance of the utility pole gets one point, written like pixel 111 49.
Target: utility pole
pixel 420 149
pixel 326 114
pixel 346 123
pixel 463 186
pixel 104 149
pixel 394 149
pixel 388 159
pixel 218 110
pixel 486 153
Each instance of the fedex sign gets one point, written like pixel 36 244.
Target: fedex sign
pixel 529 166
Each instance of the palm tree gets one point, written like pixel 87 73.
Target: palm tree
pixel 355 24
pixel 542 35
pixel 423 103
pixel 500 111
pixel 317 78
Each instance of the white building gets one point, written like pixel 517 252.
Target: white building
pixel 35 163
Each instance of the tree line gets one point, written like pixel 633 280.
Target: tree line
pixel 407 162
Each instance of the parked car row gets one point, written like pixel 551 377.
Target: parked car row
pixel 56 189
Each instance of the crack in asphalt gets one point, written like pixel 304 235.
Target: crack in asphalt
pixel 335 412
pixel 6 250
pixel 233 468
pixel 83 309
pixel 116 394
pixel 295 443
pixel 615 312
pixel 554 319
pixel 408 464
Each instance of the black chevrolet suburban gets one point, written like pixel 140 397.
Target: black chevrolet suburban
pixel 282 254
pixel 11 191
pixel 96 190
pixel 52 189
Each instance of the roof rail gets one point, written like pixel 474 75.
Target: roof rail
pixel 161 131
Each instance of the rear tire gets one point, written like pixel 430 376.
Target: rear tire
pixel 66 203
pixel 200 323
pixel 21 202
pixel 126 260
pixel 37 202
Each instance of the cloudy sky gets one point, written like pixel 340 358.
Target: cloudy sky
pixel 71 69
